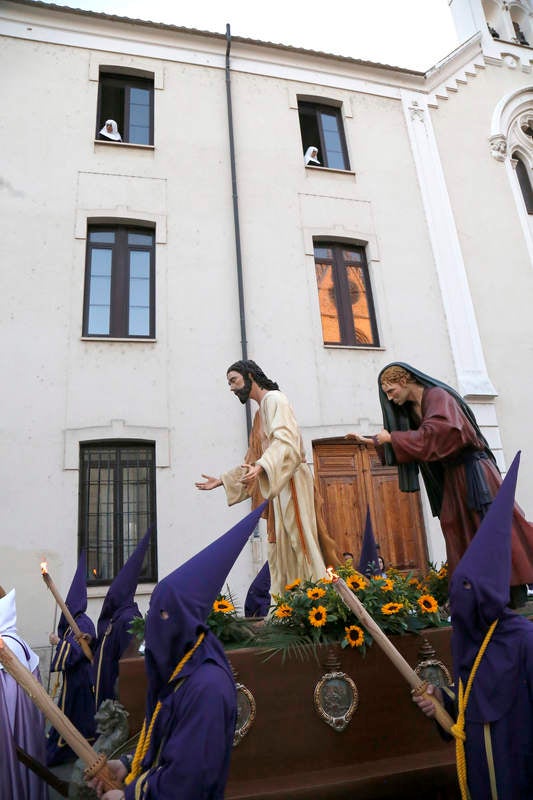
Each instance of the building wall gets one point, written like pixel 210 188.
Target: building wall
pixel 497 260
pixel 64 389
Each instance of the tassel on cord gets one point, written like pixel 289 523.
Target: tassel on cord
pixel 143 744
pixel 458 730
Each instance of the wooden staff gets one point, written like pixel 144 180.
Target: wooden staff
pixel 418 686
pixel 80 637
pixel 95 762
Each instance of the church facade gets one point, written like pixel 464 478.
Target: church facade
pixel 351 215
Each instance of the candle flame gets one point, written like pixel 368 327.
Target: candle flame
pixel 332 575
pixel 44 567
pixel 94 573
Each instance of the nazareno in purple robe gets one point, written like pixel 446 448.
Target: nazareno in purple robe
pixel 77 696
pixel 257 603
pixel 21 722
pixel 501 700
pixel 76 700
pixel 190 746
pixel 118 610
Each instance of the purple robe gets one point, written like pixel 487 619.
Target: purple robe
pixel 500 706
pixel 77 695
pixel 111 645
pixel 257 603
pixel 190 748
pixel 22 724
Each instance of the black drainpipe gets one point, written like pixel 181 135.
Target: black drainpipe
pixel 240 286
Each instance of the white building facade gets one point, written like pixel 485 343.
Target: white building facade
pixel 120 303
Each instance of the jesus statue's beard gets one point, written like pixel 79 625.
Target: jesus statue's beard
pixel 244 393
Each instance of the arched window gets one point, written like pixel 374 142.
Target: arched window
pixel 522 174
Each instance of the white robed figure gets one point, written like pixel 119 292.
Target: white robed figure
pixel 275 469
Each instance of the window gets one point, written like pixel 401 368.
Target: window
pixel 344 294
pixel 321 127
pixel 130 102
pixel 119 282
pixel 117 506
pixel 522 174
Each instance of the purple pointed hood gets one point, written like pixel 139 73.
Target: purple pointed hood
pixel 479 594
pixel 257 600
pixel 187 596
pixel 368 562
pixel 76 599
pixel 120 595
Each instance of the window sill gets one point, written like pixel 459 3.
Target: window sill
pixel 359 347
pixel 510 41
pixel 96 592
pixel 329 169
pixel 125 144
pixel 118 339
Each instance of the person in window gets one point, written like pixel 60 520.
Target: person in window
pixel 311 157
pixel 77 696
pixel 110 131
pixel 113 627
pixel 275 468
pixel 21 722
pixel 185 744
pixel 492 650
pixel 429 427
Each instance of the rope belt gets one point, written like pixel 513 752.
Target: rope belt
pixel 458 730
pixel 143 744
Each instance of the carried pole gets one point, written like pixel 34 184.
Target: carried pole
pixel 418 686
pixel 95 763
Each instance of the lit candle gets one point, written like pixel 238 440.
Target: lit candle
pixel 418 686
pixel 80 637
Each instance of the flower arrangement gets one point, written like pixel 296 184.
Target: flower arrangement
pixel 314 612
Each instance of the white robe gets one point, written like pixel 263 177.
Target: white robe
pixel 296 552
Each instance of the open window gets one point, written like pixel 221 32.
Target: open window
pixel 128 100
pixel 321 128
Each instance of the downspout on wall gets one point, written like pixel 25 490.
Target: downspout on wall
pixel 240 286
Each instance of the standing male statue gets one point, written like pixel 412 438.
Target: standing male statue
pixel 275 469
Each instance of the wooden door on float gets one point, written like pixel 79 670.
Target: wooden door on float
pixel 351 477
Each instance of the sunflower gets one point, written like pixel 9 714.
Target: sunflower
pixel 356 582
pixel 224 606
pixel 391 608
pixel 414 582
pixel 318 616
pixel 316 593
pixel 442 573
pixel 283 611
pixel 427 604
pixel 290 586
pixel 354 636
pixel 387 586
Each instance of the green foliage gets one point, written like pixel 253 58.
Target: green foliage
pixel 137 628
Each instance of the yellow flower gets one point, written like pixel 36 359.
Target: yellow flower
pixel 356 582
pixel 354 636
pixel 316 593
pixel 442 573
pixel 224 606
pixel 414 582
pixel 427 603
pixel 388 585
pixel 391 608
pixel 283 611
pixel 292 585
pixel 318 616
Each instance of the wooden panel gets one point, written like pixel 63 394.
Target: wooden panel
pixel 350 477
